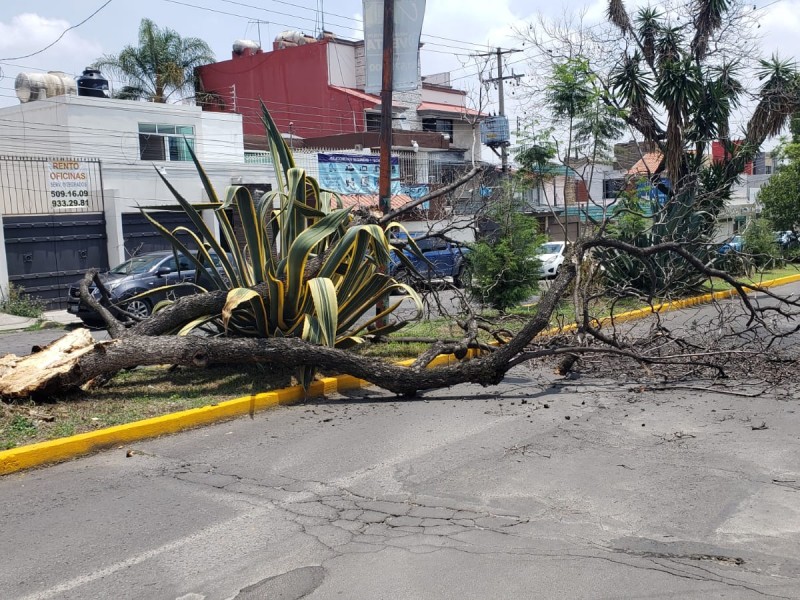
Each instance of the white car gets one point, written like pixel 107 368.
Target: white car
pixel 551 256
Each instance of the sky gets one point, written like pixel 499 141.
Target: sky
pixel 452 30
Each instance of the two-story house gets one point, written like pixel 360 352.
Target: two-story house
pixel 75 170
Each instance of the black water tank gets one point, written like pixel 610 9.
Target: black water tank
pixel 92 83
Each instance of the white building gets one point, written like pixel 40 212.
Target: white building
pixel 76 170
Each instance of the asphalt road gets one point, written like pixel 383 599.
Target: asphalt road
pixel 538 488
pixel 21 342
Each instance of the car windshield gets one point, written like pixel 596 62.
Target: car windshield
pixel 551 248
pixel 136 265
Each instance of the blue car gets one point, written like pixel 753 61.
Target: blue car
pixel 444 261
pixel 735 244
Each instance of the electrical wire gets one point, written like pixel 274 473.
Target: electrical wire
pixel 58 39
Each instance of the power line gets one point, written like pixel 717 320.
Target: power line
pixel 58 39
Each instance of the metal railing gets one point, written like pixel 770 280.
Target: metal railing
pixel 50 185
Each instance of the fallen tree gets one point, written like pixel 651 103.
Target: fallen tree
pixel 297 292
pixel 77 359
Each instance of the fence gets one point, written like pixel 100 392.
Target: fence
pixel 50 185
pixel 415 168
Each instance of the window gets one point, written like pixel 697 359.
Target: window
pixel 165 142
pixel 612 188
pixel 373 121
pixel 439 126
pixel 767 170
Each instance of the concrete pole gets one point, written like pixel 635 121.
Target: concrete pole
pixel 502 103
pixel 385 181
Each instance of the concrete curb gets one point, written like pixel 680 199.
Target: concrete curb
pixel 53 451
pixel 34 455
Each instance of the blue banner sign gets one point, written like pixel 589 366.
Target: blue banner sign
pixel 355 173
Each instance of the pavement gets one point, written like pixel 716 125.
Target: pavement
pixel 541 487
pixel 589 487
pixel 50 318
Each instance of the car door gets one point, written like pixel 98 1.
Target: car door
pixel 184 274
pixel 180 272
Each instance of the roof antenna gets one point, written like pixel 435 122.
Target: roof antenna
pixel 321 4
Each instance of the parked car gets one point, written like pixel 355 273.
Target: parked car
pixel 136 277
pixel 551 255
pixel 444 260
pixel 787 240
pixel 735 244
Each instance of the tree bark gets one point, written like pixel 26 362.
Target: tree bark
pixel 76 359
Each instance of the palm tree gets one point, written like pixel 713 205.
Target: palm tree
pixel 160 66
pixel 677 85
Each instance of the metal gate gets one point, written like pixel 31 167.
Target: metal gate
pixel 53 222
pixel 140 235
pixel 45 253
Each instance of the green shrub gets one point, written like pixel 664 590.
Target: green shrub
pixel 503 268
pixel 17 302
pixel 760 245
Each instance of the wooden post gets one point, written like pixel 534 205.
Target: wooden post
pixel 385 175
pixel 385 181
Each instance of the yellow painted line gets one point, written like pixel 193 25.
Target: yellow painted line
pixel 34 455
pixel 25 457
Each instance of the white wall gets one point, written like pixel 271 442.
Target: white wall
pixel 342 65
pixel 72 126
pixel 465 137
pixel 109 129
pixel 34 128
pixel 454 98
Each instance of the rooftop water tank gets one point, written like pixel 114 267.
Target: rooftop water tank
pixel 245 47
pixel 93 84
pixel 36 86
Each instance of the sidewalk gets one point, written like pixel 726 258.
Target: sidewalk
pixel 50 318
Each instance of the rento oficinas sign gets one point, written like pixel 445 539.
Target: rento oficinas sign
pixel 68 184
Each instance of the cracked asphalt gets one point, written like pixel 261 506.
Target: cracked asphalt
pixel 540 488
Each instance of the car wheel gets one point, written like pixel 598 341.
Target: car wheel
pixel 138 308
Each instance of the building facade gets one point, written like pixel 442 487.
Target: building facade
pixel 314 89
pixel 74 172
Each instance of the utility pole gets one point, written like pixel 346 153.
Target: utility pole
pixel 385 175
pixel 499 52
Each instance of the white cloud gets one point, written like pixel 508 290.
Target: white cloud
pixel 27 33
pixel 779 26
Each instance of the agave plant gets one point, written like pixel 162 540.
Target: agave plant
pixel 306 269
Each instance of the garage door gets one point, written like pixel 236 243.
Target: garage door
pixel 46 253
pixel 140 235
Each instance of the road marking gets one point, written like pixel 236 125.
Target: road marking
pixel 224 526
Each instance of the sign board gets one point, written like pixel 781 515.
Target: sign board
pixel 354 173
pixel 408 16
pixel 67 184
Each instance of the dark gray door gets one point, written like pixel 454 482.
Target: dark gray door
pixel 141 236
pixel 46 253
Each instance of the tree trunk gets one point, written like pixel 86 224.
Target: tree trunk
pixel 76 359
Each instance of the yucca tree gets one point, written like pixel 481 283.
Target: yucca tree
pixel 680 97
pixel 306 269
pixel 160 67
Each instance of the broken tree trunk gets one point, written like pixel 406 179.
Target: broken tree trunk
pixel 76 359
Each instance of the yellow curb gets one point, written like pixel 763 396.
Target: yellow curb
pixel 53 451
